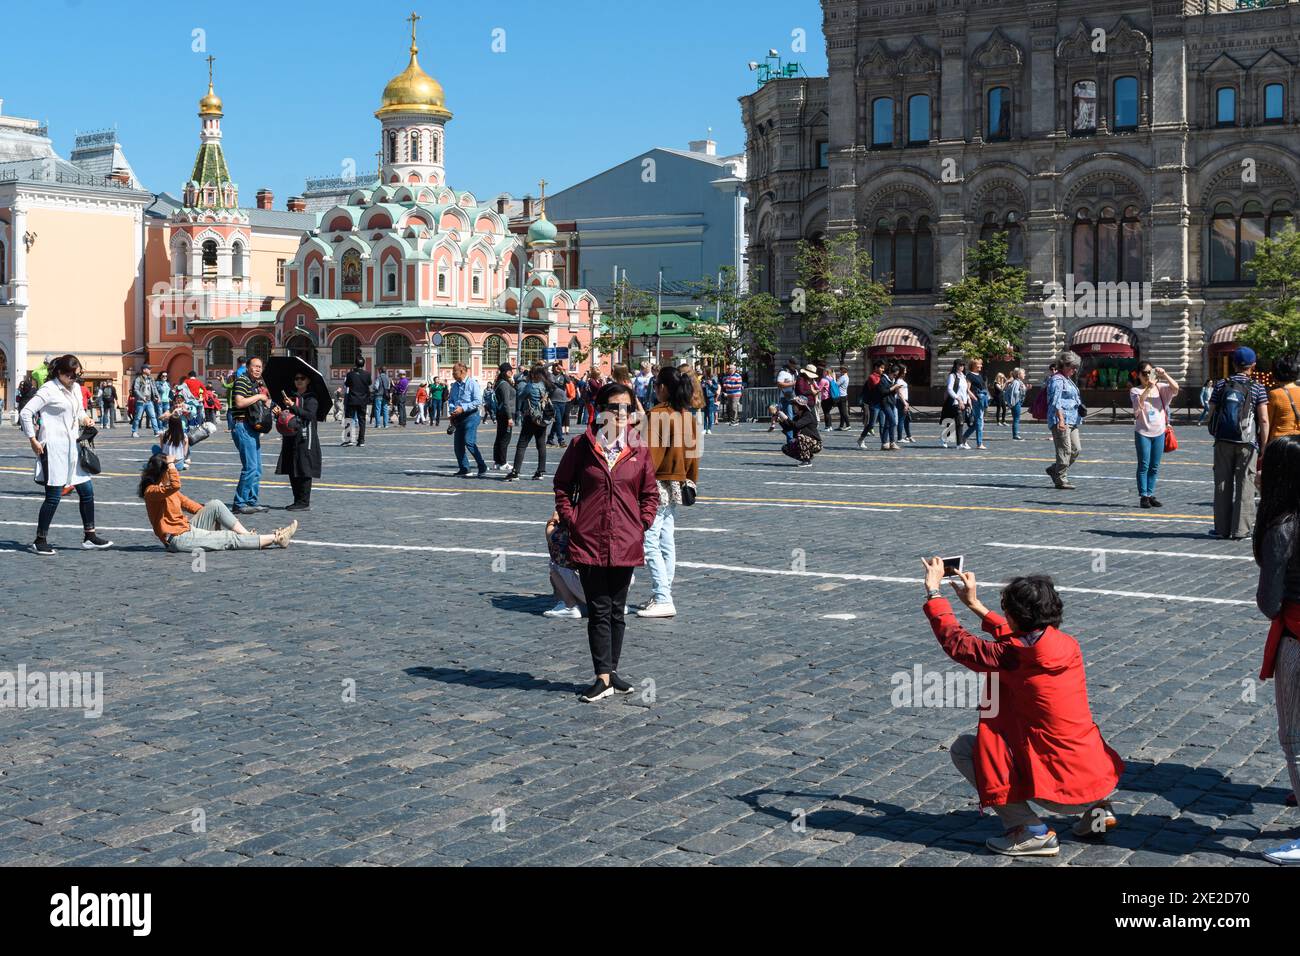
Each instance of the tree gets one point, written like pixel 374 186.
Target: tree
pixel 745 323
pixel 1272 308
pixel 837 300
pixel 986 316
pixel 627 305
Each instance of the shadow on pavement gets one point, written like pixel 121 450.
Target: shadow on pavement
pixel 474 677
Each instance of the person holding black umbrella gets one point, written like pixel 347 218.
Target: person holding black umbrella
pixel 302 406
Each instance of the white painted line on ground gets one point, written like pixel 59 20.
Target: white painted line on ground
pixel 735 569
pixel 1162 554
pixel 965 474
pixel 534 521
pixel 839 617
pixel 1168 520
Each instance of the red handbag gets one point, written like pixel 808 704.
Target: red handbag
pixel 1171 440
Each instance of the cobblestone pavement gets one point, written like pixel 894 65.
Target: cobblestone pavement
pixel 227 737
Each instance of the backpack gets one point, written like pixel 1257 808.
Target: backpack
pixel 1039 407
pixel 570 390
pixel 835 389
pixel 1234 419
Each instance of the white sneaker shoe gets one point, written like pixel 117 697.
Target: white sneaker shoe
pixel 862 445
pixel 1286 855
pixel 562 610
pixel 657 609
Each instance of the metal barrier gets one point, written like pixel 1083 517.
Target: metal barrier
pixel 754 403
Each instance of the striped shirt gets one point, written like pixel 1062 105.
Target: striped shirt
pixel 732 384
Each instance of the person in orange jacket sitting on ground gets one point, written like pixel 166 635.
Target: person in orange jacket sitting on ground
pixel 1040 742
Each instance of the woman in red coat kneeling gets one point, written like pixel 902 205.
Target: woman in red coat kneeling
pixel 605 493
pixel 1040 742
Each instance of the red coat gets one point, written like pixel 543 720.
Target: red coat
pixel 615 508
pixel 1042 743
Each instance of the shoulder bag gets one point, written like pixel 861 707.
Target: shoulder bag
pixel 1171 440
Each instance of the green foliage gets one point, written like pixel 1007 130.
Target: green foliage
pixel 985 316
pixel 616 323
pixel 837 300
pixel 745 323
pixel 1271 308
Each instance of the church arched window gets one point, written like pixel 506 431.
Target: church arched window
pixel 237 260
pixel 415 147
pixel 210 258
pixel 392 146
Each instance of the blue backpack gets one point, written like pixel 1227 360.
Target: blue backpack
pixel 1234 419
pixel 835 388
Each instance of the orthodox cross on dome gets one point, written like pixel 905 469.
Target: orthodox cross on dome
pixel 541 185
pixel 413 18
pixel 211 59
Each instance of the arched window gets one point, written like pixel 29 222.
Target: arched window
pixel 345 350
pixel 433 147
pixel 904 253
pixel 259 346
pixel 575 349
pixel 392 145
pixel 455 348
pixel 181 256
pixel 1274 103
pixel 532 352
pixel 1233 237
pixel 918 119
pixel 476 287
pixel 301 346
pixel 351 268
pixel 495 351
pixel 1015 236
pixel 998 123
pixel 394 350
pixel 882 122
pixel 1223 244
pixel 4 264
pixel 1107 248
pixel 237 260
pixel 1084 107
pixel 221 354
pixel 390 277
pixel 313 278
pixel 1252 233
pixel 1225 106
pixel 415 147
pixel 1124 104
pixel 209 258
pixel 1279 219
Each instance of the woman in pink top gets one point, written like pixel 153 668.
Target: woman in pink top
pixel 1151 401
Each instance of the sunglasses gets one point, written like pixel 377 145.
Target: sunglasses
pixel 618 409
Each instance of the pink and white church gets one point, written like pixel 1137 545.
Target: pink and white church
pixel 407 258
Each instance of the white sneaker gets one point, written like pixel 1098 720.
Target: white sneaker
pixel 965 445
pixel 657 609
pixel 862 445
pixel 562 610
pixel 942 443
pixel 1287 855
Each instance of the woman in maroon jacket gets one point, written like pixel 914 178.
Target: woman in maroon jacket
pixel 605 492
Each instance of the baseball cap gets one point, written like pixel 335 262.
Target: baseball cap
pixel 1243 356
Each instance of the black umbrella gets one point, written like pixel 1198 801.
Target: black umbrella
pixel 278 376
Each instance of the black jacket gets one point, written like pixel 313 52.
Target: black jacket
pixel 300 453
pixel 357 387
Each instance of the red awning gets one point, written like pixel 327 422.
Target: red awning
pixel 900 342
pixel 1110 340
pixel 1225 339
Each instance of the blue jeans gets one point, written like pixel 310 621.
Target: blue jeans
pixel 888 425
pixel 661 553
pixel 976 426
pixel 142 409
pixel 53 495
pixel 1015 420
pixel 381 413
pixel 466 439
pixel 1150 450
pixel 557 426
pixel 710 415
pixel 249 445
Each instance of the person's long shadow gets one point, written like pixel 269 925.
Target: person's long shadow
pixel 524 604
pixel 1112 533
pixel 491 680
pixel 962 830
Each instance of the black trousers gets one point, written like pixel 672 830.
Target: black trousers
pixel 301 490
pixel 501 447
pixel 842 404
pixel 359 411
pixel 606 593
pixel 536 433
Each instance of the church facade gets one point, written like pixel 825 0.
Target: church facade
pixel 1148 148
pixel 409 273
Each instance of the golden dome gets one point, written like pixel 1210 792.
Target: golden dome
pixel 413 91
pixel 210 105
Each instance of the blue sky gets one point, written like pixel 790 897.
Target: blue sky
pixel 582 84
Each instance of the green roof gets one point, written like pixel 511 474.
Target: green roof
pixel 420 313
pixel 671 324
pixel 210 169
pixel 259 318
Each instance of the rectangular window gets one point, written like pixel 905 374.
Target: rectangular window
pixel 1223 249
pixel 882 123
pixel 1126 103
pixel 442 282
pixel 823 154
pixel 999 113
pixel 1107 251
pixel 1085 107
pixel 1225 106
pixel 279 271
pixel 918 120
pixel 1273 103
pixel 1252 232
pixel 478 282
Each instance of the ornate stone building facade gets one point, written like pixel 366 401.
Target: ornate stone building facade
pixel 1148 144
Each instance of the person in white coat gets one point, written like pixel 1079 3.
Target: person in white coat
pixel 62 410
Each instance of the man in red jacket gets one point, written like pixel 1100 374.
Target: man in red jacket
pixel 1042 743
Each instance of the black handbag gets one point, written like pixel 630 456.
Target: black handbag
pixel 259 417
pixel 688 493
pixel 87 458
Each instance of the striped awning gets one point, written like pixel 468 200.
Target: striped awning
pixel 1104 340
pixel 900 342
pixel 1225 339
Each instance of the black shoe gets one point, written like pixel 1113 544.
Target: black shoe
pixel 244 511
pixel 482 472
pixel 298 506
pixel 1145 502
pixel 1155 502
pixel 513 476
pixel 462 473
pixel 539 476
pixel 93 542
pixel 361 444
pixel 42 547
pixel 620 686
pixel 598 690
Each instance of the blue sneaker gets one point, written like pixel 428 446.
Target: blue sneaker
pixel 1286 855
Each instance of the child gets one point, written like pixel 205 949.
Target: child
pixel 421 402
pixel 1037 739
pixel 176 441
